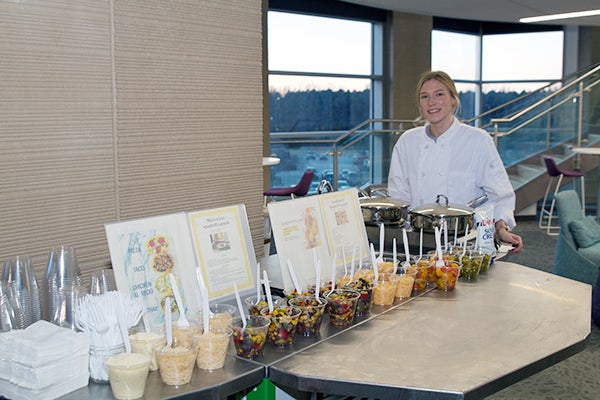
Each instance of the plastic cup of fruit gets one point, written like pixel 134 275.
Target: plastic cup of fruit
pixel 284 321
pixel 384 292
pixel 176 364
pixel 212 348
pixel 310 320
pixel 291 293
pixel 250 341
pixel 311 285
pixel 487 260
pixel 471 264
pixel 365 288
pixel 421 273
pixel 254 304
pixel 446 275
pixel 341 306
pixel 127 374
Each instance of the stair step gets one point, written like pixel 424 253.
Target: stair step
pixel 530 171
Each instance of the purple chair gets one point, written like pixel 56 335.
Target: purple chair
pixel 547 215
pixel 299 190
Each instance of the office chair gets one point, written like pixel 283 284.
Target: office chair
pixel 547 215
pixel 298 190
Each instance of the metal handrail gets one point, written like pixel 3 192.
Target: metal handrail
pixel 528 94
pixel 356 135
pixel 579 81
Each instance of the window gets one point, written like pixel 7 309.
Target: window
pixel 493 65
pixel 456 54
pixel 324 80
pixel 530 56
pixel 496 68
pixel 319 72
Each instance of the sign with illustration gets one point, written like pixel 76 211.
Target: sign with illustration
pixel 224 248
pixel 213 245
pixel 317 229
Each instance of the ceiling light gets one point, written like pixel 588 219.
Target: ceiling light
pixel 578 14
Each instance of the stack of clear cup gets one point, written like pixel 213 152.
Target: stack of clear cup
pixel 18 273
pixel 62 285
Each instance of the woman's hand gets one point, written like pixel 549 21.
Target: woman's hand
pixel 511 238
pixel 504 235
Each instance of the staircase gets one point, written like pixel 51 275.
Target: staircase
pixel 529 177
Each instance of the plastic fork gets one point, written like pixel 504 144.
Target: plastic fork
pixel 182 322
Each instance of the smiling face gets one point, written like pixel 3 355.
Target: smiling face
pixel 437 106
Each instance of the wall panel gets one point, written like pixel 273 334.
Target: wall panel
pixel 111 110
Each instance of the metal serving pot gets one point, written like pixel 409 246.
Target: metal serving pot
pixel 378 210
pixel 428 216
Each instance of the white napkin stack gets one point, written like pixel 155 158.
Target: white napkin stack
pixel 43 361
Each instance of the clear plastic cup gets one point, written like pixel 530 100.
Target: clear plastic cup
pixel 176 364
pixel 310 320
pixel 212 348
pixel 97 360
pixel 145 343
pixel 127 375
pixel 365 288
pixel 102 281
pixel 255 304
pixel 182 336
pixel 486 263
pixel 284 321
pixel 387 266
pixel 446 275
pixel 19 272
pixel 384 292
pixel 221 315
pixel 249 341
pixel 341 306
pixel 471 264
pixel 406 282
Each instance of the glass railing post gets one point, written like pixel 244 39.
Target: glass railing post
pixel 496 134
pixel 580 115
pixel 335 167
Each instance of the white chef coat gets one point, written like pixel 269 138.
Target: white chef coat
pixel 462 164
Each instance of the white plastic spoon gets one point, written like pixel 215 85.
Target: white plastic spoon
pixel 381 243
pixel 239 304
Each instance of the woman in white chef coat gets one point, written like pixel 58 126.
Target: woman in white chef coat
pixel 448 157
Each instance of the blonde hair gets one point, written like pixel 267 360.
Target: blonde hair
pixel 443 78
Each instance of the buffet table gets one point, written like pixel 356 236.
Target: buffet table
pixel 466 344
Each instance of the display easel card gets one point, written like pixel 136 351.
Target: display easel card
pixel 223 245
pixel 344 225
pixel 319 227
pixel 144 252
pixel 300 239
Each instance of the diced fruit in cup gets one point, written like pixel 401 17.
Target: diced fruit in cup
pixel 446 276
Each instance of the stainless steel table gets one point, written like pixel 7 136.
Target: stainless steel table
pixel 466 344
pixel 236 376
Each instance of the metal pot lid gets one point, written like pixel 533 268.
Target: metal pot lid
pixel 383 202
pixel 441 208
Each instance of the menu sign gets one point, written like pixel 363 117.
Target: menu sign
pixel 326 228
pixel 213 245
pixel 222 243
